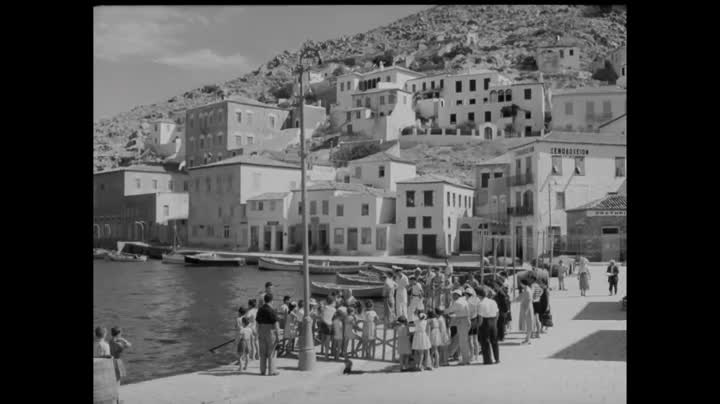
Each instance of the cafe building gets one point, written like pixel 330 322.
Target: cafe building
pixel 598 229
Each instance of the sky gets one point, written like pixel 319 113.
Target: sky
pixel 147 54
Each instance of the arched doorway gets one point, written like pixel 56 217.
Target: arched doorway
pixel 488 133
pixel 466 239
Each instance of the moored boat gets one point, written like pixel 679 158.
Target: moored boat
pixel 178 257
pixel 99 253
pixel 213 260
pixel 271 264
pixel 125 257
pixel 361 279
pixel 362 291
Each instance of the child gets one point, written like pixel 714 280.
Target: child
pixel 403 341
pixel 291 322
pixel 117 345
pixel 283 311
pixel 349 324
pixel 337 332
pixel 435 338
pixel 251 313
pixel 370 320
pixel 101 349
pixel 444 338
pixel 245 336
pixel 421 341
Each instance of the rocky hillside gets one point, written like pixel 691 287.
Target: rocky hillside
pixel 430 41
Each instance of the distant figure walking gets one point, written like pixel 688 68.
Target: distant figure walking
pixel 583 274
pixel 117 345
pixel 562 271
pixel 101 349
pixel 268 330
pixel 613 273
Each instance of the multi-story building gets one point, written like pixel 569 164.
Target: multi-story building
pixel 380 170
pixel 382 78
pixel 492 192
pixel 555 173
pixel 222 129
pixel 139 202
pixel 267 217
pixel 486 100
pixel 585 109
pixel 344 219
pixel 558 56
pixel 428 210
pixel 219 192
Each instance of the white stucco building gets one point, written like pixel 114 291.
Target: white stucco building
pixel 380 170
pixel 585 109
pixel 267 221
pixel 558 56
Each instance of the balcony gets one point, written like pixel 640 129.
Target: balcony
pixel 519 180
pixel 520 210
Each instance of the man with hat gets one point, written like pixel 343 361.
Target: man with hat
pixel 460 319
pixel 488 328
pixel 401 294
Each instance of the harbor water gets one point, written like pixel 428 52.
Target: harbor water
pixel 173 314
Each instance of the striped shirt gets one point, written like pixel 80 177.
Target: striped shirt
pixel 536 292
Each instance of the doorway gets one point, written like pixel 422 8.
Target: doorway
pixel 279 240
pixel 466 241
pixel 410 244
pixel 267 239
pixel 352 239
pixel 429 244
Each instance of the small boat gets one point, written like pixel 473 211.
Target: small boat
pixel 213 260
pixel 348 279
pixel 99 253
pixel 178 257
pixel 125 257
pixel 271 264
pixel 362 291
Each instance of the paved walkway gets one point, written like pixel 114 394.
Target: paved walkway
pixel 581 360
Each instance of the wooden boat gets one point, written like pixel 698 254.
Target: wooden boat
pixel 362 291
pixel 271 264
pixel 178 257
pixel 100 253
pixel 213 260
pixel 124 257
pixel 348 279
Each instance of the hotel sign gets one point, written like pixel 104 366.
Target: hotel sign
pixel 525 151
pixel 564 151
pixel 273 223
pixel 607 213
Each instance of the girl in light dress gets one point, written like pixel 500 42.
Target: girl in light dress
pixel 444 337
pixel 251 313
pixel 337 332
pixel 291 322
pixel 435 338
pixel 416 299
pixel 421 342
pixel 350 325
pixel 527 315
pixel 370 320
pixel 403 342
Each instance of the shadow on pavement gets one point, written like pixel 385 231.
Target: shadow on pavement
pixel 601 311
pixel 230 373
pixel 603 345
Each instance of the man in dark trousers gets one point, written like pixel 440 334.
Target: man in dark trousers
pixel 268 330
pixel 488 328
pixel 613 271
pixel 503 303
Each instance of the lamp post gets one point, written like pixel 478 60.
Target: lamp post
pixel 306 351
pixel 550 232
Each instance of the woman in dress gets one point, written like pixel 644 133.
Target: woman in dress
pixel 416 299
pixel 436 339
pixel 370 320
pixel 526 310
pixel 401 294
pixel 117 345
pixel 421 342
pixel 583 275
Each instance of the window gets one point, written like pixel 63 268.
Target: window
pixel 484 180
pixel 251 140
pixel 271 121
pixel 528 115
pixel 472 101
pixel 568 108
pixel 313 208
pixel 194 231
pixel 453 119
pixel 410 199
pixel 365 235
pixel 229 181
pixel 358 172
pixel 219 211
pixel 559 200
pixel 365 209
pixel 339 235
pixel 358 102
pixel 619 166
pixel 556 165
pixel 339 209
pixel 154 182
pixel 272 205
pixel 387 79
pixel 472 85
pixel 210 231
pixel 166 210
pixel 349 116
pixel 579 165
pixel 413 88
pixel 202 142
pixel 427 222
pixel 501 96
pixel 488 116
pixel 428 198
pixel 448 199
pixel 458 102
pixel 458 86
pixel 185 186
pixel 562 53
pixel 607 108
pixel 528 131
pixel 506 113
pixel 325 207
pixel 346 179
pixel 249 118
pixel 412 222
pixel 357 114
pixel 590 108
pixel 226 231
pixel 381 171
pixel 424 86
pixel 300 208
pixel 137 183
pixel 382 100
pixel 342 86
pixel 448 222
pixel 528 94
pixel 442 83
pixel 391 99
pixel 367 102
pixel 471 116
pixel 453 199
pixel 380 238
pixel 572 52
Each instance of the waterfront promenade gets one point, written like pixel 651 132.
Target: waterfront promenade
pixel 581 360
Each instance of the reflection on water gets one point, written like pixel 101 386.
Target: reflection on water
pixel 174 314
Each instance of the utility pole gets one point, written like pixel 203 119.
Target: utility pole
pixel 550 242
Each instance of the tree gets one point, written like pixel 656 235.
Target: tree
pixel 607 73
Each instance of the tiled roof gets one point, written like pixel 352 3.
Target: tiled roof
pixel 249 160
pixel 433 178
pixel 609 202
pixel 612 120
pixel 137 168
pixel 269 195
pixel 343 186
pixel 237 99
pixel 607 139
pixel 622 190
pixel 379 90
pixel 380 157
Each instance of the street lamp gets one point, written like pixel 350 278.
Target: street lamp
pixel 309 53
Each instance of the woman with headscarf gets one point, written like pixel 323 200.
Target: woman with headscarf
pixel 583 275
